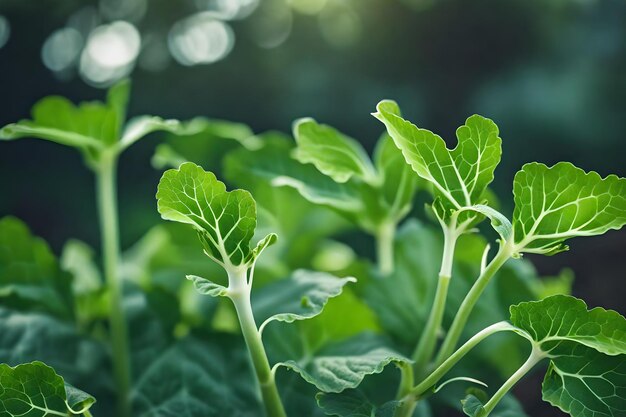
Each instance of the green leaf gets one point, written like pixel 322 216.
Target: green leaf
pixel 399 183
pixel 188 379
pixel 461 175
pixel 565 318
pixel 78 259
pixel 299 297
pixel 139 127
pixel 344 365
pixel 30 277
pixel 333 153
pixel 553 204
pixel 472 406
pixel 207 287
pixel 203 141
pixel 36 389
pixel 499 222
pixel 584 382
pixel 25 337
pixel 77 400
pixel 89 126
pixel 273 165
pixel 353 403
pixel 226 220
pixel 508 407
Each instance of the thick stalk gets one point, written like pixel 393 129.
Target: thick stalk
pixel 462 315
pixel 426 346
pixel 384 246
pixel 535 356
pixel 107 203
pixel 239 293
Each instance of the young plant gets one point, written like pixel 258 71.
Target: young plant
pixel 100 132
pixel 226 222
pixel 552 204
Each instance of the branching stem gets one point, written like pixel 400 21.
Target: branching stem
pixel 470 300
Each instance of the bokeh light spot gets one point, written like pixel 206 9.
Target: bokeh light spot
pixel 61 49
pixel 271 24
pixel 110 53
pixel 200 39
pixel 5 30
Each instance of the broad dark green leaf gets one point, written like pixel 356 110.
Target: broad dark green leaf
pixel 460 175
pixel 226 220
pixel 553 204
pixel 344 365
pixel 353 403
pixel 30 277
pixel 188 379
pixel 565 318
pixel 35 389
pixel 333 153
pixel 299 297
pixel 26 337
pixel 584 382
pixel 587 351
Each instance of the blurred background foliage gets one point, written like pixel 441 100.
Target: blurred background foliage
pixel 551 73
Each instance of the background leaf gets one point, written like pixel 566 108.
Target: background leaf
pixel 333 153
pixel 30 277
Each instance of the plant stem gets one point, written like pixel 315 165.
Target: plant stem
pixel 385 235
pixel 407 400
pixel 239 293
pixel 462 315
pixel 535 356
pixel 426 346
pixel 452 360
pixel 107 204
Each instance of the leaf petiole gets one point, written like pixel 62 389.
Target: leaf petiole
pixel 536 355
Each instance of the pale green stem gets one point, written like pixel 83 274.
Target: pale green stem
pixel 87 413
pixel 452 360
pixel 426 346
pixel 535 356
pixel 239 293
pixel 406 406
pixel 409 401
pixel 106 174
pixel 462 315
pixel 385 235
